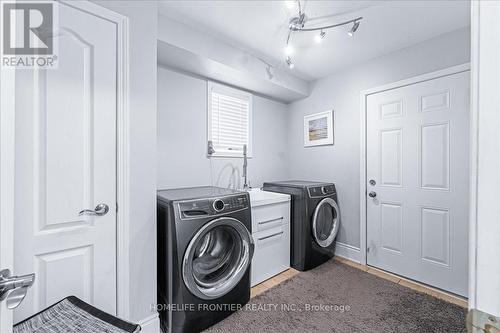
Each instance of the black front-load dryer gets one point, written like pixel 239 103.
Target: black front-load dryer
pixel 315 221
pixel 205 248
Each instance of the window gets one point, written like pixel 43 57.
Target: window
pixel 229 120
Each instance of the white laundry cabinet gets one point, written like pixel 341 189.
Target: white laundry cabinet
pixel 271 234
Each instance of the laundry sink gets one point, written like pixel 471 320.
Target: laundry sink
pixel 259 197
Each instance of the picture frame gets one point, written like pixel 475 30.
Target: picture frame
pixel 319 129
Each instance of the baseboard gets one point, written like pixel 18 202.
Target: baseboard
pixel 347 251
pixel 150 324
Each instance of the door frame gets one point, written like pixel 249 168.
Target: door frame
pixel 7 175
pixel 363 166
pixel 7 167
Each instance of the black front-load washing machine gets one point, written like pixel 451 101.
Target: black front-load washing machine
pixel 315 221
pixel 205 248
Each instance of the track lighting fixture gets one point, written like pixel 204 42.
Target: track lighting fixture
pixel 319 38
pixel 270 74
pixel 269 68
pixel 298 23
pixel 355 27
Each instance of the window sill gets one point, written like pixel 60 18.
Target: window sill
pixel 225 155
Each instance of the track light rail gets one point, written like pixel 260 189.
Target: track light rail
pixel 297 24
pixel 330 26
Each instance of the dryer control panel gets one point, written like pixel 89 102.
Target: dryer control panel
pixel 321 191
pixel 208 207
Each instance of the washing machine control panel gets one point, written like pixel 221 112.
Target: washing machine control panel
pixel 321 191
pixel 230 204
pixel 207 207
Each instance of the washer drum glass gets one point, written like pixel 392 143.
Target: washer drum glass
pixel 217 257
pixel 326 222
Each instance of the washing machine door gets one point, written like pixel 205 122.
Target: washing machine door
pixel 326 222
pixel 217 257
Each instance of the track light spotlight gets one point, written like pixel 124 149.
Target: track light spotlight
pixel 270 74
pixel 319 38
pixel 289 62
pixel 355 27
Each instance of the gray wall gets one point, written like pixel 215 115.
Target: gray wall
pixel 341 92
pixel 182 137
pixel 141 244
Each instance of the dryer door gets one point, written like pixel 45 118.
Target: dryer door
pixel 217 257
pixel 326 222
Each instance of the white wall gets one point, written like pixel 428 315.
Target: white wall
pixel 200 52
pixel 485 210
pixel 142 149
pixel 182 138
pixel 341 92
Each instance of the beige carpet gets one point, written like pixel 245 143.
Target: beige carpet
pixel 338 298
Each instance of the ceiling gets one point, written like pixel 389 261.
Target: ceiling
pixel 261 27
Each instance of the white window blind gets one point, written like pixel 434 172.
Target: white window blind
pixel 229 120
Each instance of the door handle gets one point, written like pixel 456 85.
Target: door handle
pixel 14 288
pixel 100 210
pixel 372 194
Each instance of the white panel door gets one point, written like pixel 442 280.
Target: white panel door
pixel 66 162
pixel 417 186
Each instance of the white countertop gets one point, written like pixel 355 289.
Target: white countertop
pixel 259 197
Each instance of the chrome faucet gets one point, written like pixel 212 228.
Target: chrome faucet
pixel 245 167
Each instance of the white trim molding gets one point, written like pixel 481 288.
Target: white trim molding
pixel 123 175
pixel 7 174
pixel 122 150
pixel 347 251
pixel 474 130
pixel 364 95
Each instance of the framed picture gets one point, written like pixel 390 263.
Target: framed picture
pixel 318 129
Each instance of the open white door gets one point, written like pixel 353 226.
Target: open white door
pixel 418 181
pixel 62 146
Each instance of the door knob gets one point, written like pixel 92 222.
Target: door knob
pixel 14 288
pixel 372 194
pixel 100 210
